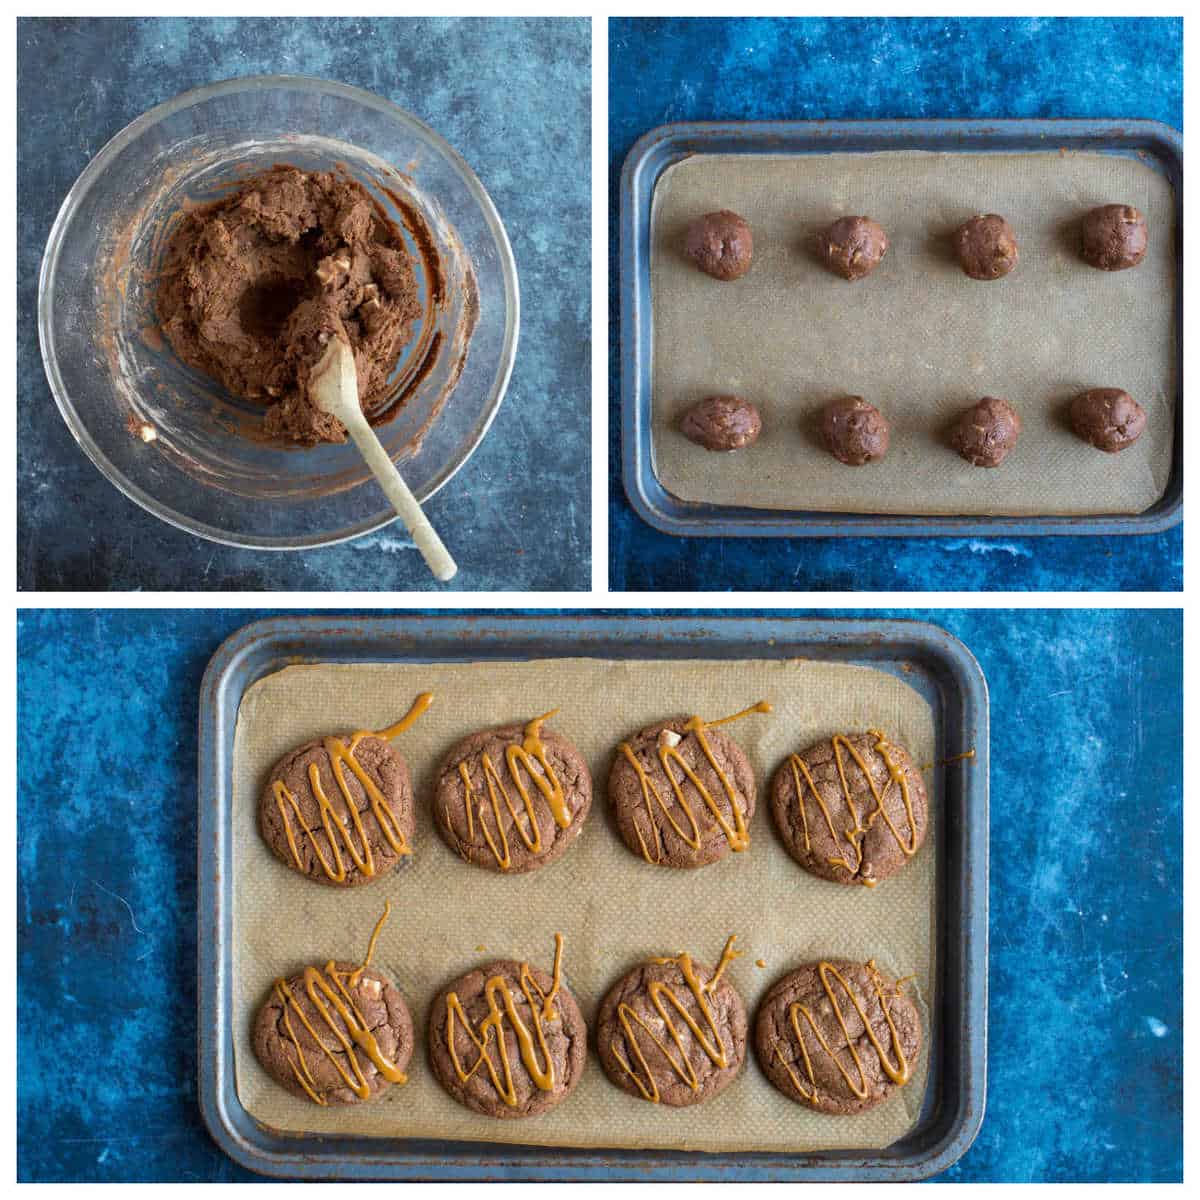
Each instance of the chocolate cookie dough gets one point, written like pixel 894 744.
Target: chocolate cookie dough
pixel 512 799
pixel 253 286
pixel 682 793
pixel 507 1040
pixel 337 1034
pixel 986 247
pixel 1108 418
pixel 851 809
pixel 986 433
pixel 853 247
pixel 1114 237
pixel 837 1036
pixel 855 432
pixel 722 423
pixel 339 809
pixel 720 244
pixel 672 1031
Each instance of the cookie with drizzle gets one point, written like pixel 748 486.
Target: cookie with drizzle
pixel 339 810
pixel 851 809
pixel 682 791
pixel 512 799
pixel 507 1040
pixel 838 1036
pixel 335 1034
pixel 673 1031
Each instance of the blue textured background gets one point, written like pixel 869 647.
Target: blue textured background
pixel 1085 1071
pixel 514 97
pixel 757 69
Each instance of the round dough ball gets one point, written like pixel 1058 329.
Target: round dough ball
pixel 722 423
pixel 720 244
pixel 1114 237
pixel 853 247
pixel 987 432
pixel 986 247
pixel 1108 418
pixel 855 432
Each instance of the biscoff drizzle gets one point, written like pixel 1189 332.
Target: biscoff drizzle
pixel 333 823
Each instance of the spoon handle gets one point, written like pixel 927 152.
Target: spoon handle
pixel 432 548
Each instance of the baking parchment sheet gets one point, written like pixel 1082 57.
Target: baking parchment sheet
pixel 613 909
pixel 917 338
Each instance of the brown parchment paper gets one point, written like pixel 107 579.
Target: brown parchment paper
pixel 613 909
pixel 917 338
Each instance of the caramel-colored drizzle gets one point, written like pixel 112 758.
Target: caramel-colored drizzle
pixel 855 834
pixel 661 995
pixel 531 750
pixel 333 986
pixel 735 833
pixel 899 1073
pixel 501 1005
pixel 334 825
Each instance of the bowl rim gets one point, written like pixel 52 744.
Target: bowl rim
pixel 96 167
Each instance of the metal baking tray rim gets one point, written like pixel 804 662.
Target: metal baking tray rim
pixel 268 645
pixel 668 144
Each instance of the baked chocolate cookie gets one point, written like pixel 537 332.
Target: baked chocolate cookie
pixel 507 1040
pixel 682 793
pixel 1109 418
pixel 986 247
pixel 1113 237
pixel 339 809
pixel 335 1035
pixel 722 423
pixel 855 432
pixel 512 799
pixel 721 244
pixel 853 247
pixel 987 432
pixel 673 1032
pixel 852 808
pixel 837 1036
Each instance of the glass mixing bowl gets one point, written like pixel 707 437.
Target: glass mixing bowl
pixel 170 437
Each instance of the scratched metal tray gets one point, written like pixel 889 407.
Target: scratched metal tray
pixel 1158 144
pixel 927 658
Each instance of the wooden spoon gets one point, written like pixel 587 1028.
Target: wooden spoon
pixel 333 387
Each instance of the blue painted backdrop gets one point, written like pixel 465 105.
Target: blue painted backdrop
pixel 1085 1070
pixel 514 97
pixel 706 70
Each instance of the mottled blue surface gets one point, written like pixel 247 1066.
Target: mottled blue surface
pixel 810 69
pixel 514 97
pixel 1085 1062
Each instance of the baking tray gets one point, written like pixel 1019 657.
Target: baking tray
pixel 1154 143
pixel 925 657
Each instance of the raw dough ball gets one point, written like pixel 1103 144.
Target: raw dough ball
pixel 986 247
pixel 855 432
pixel 1108 418
pixel 987 432
pixel 720 244
pixel 853 247
pixel 722 423
pixel 1114 237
